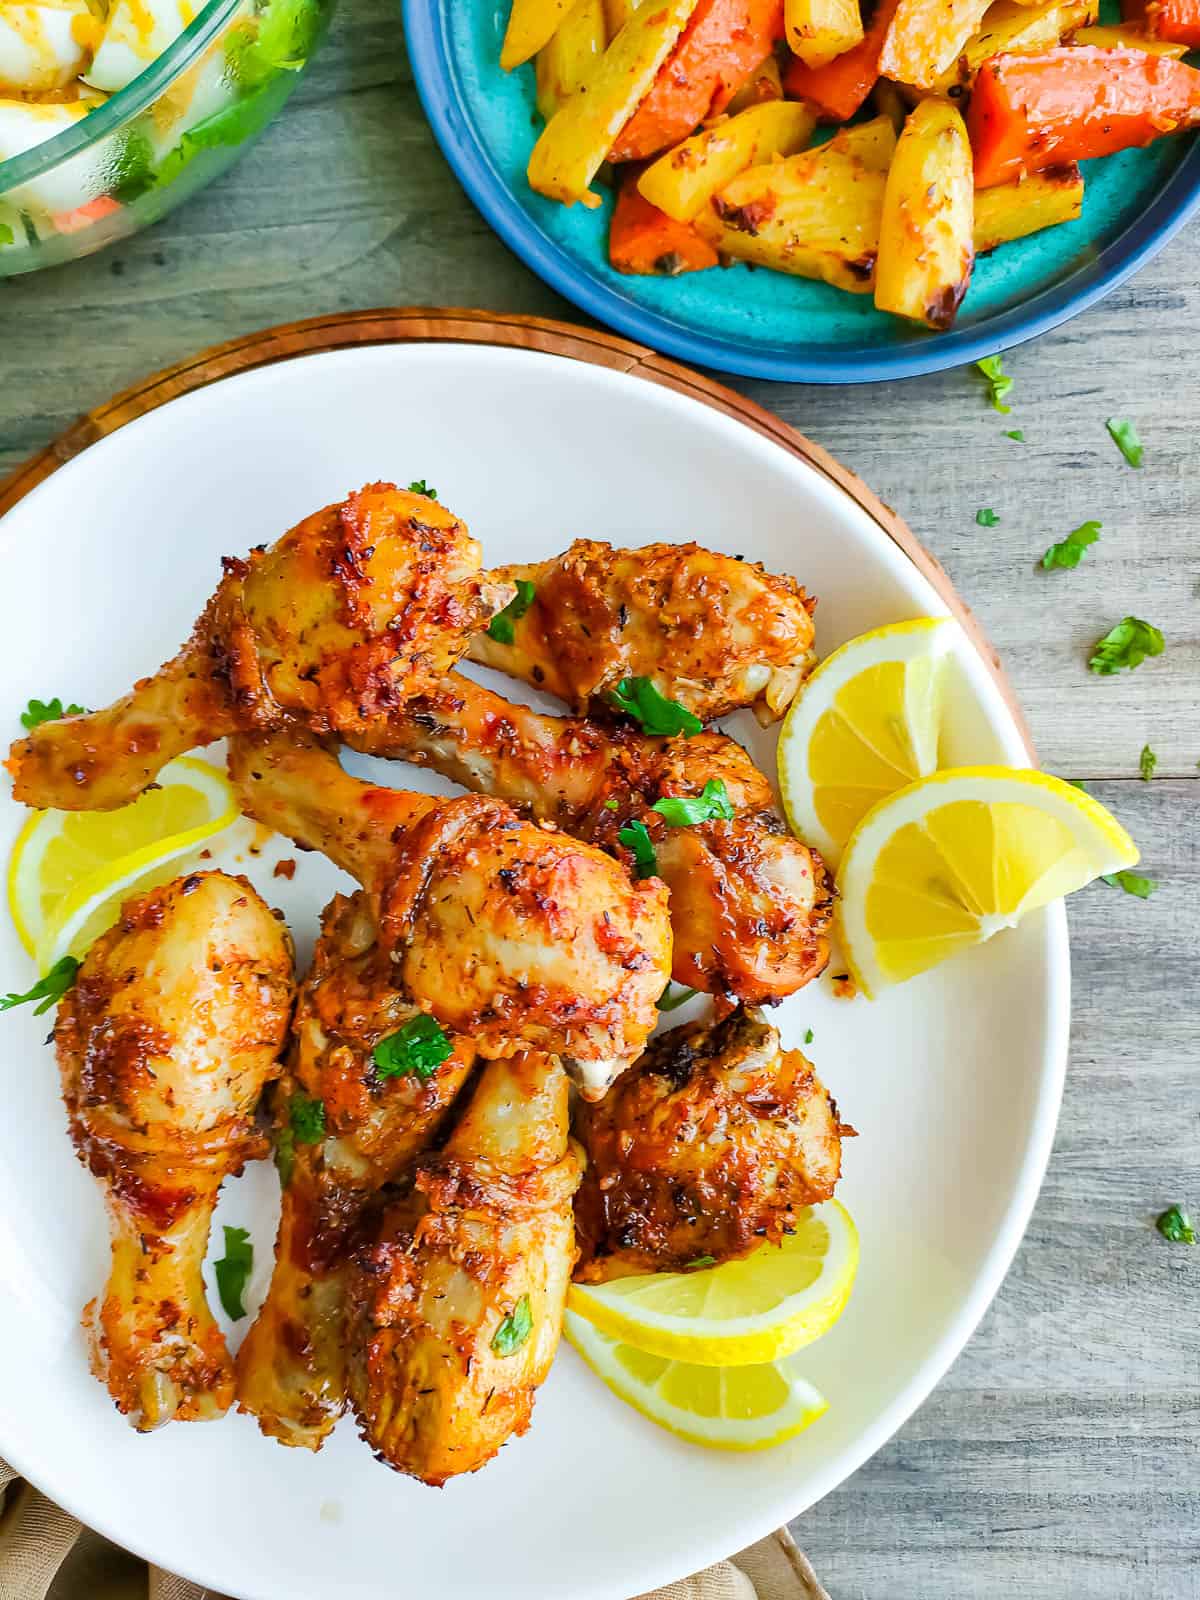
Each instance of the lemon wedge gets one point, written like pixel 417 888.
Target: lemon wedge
pixel 742 1313
pixel 954 858
pixel 69 869
pixel 865 724
pixel 726 1408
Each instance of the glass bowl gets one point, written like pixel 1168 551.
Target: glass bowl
pixel 173 129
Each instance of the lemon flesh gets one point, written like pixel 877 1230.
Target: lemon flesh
pixel 725 1408
pixel 955 858
pixel 866 723
pixel 741 1313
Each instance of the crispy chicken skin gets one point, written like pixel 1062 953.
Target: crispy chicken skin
pixel 360 605
pixel 706 1148
pixel 457 1308
pixel 174 1025
pixel 710 631
pixel 510 933
pixel 750 905
pixel 291 1366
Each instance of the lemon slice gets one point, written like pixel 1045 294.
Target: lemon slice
pixel 865 724
pixel 726 1408
pixel 741 1313
pixel 67 866
pixel 956 857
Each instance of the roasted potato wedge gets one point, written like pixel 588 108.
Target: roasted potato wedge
pixel 815 215
pixel 1013 210
pixel 575 142
pixel 1011 26
pixel 926 38
pixel 616 14
pixel 926 237
pixel 1130 38
pixel 684 180
pixel 567 58
pixel 530 24
pixel 820 30
pixel 763 84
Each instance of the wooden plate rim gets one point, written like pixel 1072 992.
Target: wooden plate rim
pixel 426 325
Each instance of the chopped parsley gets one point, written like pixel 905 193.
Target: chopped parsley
pixel 672 1002
pixel 1175 1224
pixel 1125 437
pixel 1069 552
pixel 420 1046
pixel 635 836
pixel 612 805
pixel 639 699
pixel 1077 784
pixel 48 990
pixel 700 1261
pixel 986 518
pixel 684 812
pixel 1147 762
pixel 500 627
pixel 1132 883
pixel 233 1271
pixel 514 1331
pixel 998 381
pixel 419 486
pixel 808 1037
pixel 1015 433
pixel 305 1125
pixel 1126 645
pixel 39 711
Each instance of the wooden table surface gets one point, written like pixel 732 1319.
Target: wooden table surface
pixel 1058 1458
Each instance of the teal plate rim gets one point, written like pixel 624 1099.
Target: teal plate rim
pixel 426 25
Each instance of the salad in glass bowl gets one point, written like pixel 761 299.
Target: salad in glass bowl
pixel 114 111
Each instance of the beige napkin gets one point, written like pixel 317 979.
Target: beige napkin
pixel 45 1554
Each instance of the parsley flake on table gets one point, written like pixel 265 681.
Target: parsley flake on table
pixel 1069 552
pixel 500 627
pixel 657 715
pixel 808 1037
pixel 1132 883
pixel 39 711
pixel 419 486
pixel 682 811
pixel 420 1046
pixel 1015 433
pixel 1126 645
pixel 986 518
pixel 1147 762
pixel 998 381
pixel 1125 437
pixel 305 1125
pixel 1175 1224
pixel 635 836
pixel 49 989
pixel 514 1331
pixel 233 1271
pixel 672 1002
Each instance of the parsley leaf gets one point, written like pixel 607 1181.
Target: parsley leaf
pixel 986 518
pixel 672 1002
pixel 808 1037
pixel 612 805
pixel 233 1270
pixel 514 1331
pixel 685 811
pixel 1147 762
pixel 998 381
pixel 420 1046
pixel 49 989
pixel 1126 645
pixel 39 711
pixel 700 1261
pixel 1068 552
pixel 419 486
pixel 1132 883
pixel 1015 433
pixel 1125 437
pixel 1077 783
pixel 500 627
pixel 1176 1225
pixel 635 836
pixel 305 1125
pixel 639 699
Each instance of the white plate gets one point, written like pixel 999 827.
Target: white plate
pixel 952 1081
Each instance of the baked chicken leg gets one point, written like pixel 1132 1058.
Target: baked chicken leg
pixel 457 1309
pixel 357 607
pixel 706 1148
pixel 175 1023
pixel 750 905
pixel 509 933
pixel 347 1125
pixel 709 631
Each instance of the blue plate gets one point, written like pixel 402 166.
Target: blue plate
pixel 765 324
